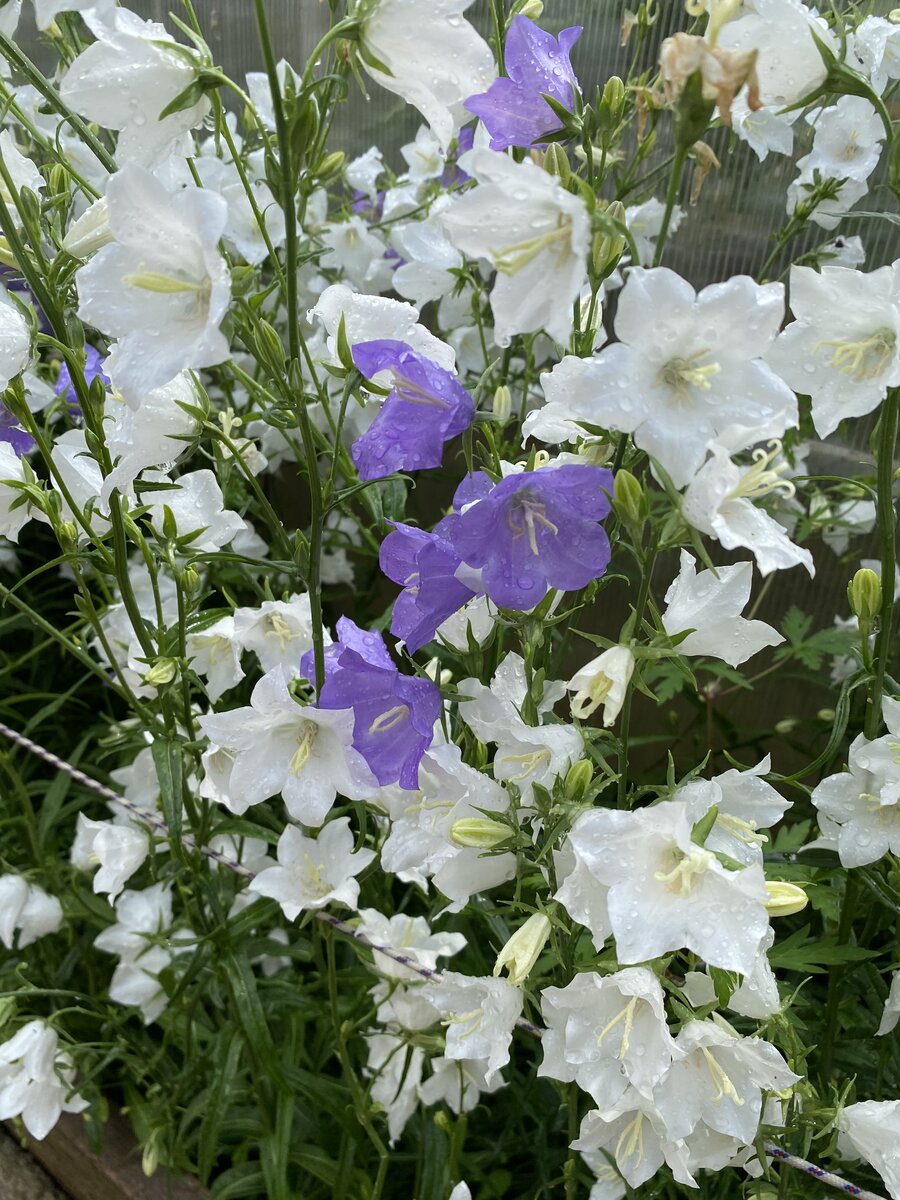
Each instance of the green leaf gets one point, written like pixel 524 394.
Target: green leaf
pixel 798 953
pixel 170 773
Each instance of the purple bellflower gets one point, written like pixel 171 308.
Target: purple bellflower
pixel 427 406
pixel 394 714
pixel 513 109
pixel 93 369
pixel 537 530
pixel 11 431
pixel 434 578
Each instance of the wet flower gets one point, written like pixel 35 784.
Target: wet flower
pixel 479 1015
pixel 723 72
pixel 536 530
pixel 36 1079
pixel 513 108
pixel 604 680
pixel 426 407
pixel 393 714
pixel 313 872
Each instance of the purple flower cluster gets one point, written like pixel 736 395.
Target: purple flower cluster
pixel 513 541
pixel 394 714
pixel 513 109
pixel 427 406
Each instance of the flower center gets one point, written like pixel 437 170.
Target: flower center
pixel 530 762
pixel 390 719
pixel 514 257
pixel 683 869
pixel 276 625
pixel 631 1141
pixel 168 285
pixel 469 1022
pixel 682 374
pixel 590 697
pixel 762 479
pixel 525 515
pixel 864 359
pixel 306 737
pixel 725 1089
pixel 741 830
pixel 414 393
pixel 311 879
pixel 626 1015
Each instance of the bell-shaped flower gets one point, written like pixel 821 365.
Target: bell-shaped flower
pixel 393 714
pixel 848 140
pixel 125 80
pixel 604 680
pixel 687 367
pixel 871 1130
pixel 873 49
pixel 197 506
pixel 744 804
pixel 395 1068
pixel 606 1033
pixel 155 434
pixel 842 349
pixel 666 892
pixel 710 605
pixel 513 109
pixel 718 1078
pixel 426 407
pixel 118 850
pixel 537 530
pixel 279 746
pixel 215 654
pixel 538 245
pixel 27 908
pixel 13 513
pixel 861 806
pixel 421 846
pixel 633 1134
pixel 313 872
pixel 479 1014
pixel 458 1083
pixel 891 1014
pixel 719 501
pixel 279 632
pixel 376 319
pixel 434 58
pixel 430 259
pixel 161 287
pixel 410 936
pixel 141 917
pixel 36 1079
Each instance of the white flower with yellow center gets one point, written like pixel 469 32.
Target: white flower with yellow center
pixel 314 872
pixel 687 368
pixel 161 286
pixel 117 849
pixel 666 892
pixel 215 653
pixel 606 1032
pixel 279 746
pixel 719 501
pixel 534 233
pixel 633 1134
pixel 479 1014
pixel 279 632
pixel 843 348
pixel 744 804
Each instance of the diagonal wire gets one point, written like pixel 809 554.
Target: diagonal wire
pixel 223 860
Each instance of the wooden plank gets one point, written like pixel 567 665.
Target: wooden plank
pixel 114 1174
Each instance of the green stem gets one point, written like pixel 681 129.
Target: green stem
pixel 678 161
pixel 836 976
pixel 647 565
pixel 887 530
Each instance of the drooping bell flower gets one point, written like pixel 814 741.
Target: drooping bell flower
pixel 427 406
pixel 394 714
pixel 513 109
pixel 537 530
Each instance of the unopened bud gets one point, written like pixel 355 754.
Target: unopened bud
pixel 788 725
pixel 785 899
pixel 161 673
pixel 59 180
pixel 556 162
pixel 502 404
pixel 90 233
pixel 521 952
pixel 628 499
pixel 864 594
pixel 190 579
pixel 612 104
pixel 595 454
pixel 609 245
pixel 894 16
pixel 330 164
pixel 578 779
pixel 532 9
pixel 68 531
pixel 269 345
pixel 478 833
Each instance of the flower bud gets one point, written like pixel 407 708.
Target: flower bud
pixel 785 899
pixel 161 673
pixel 502 405
pixel 269 345
pixel 330 164
pixel 788 725
pixel 894 16
pixel 628 499
pixel 578 779
pixel 521 952
pixel 556 162
pixel 612 104
pixel 608 245
pixel 68 531
pixel 864 594
pixel 825 714
pixel 532 9
pixel 479 833
pixel 190 579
